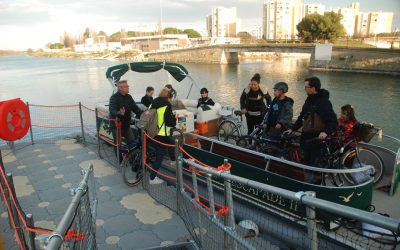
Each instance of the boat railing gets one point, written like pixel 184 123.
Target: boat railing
pixel 249 226
pixel 270 157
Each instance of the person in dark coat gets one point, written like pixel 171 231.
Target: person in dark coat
pixel 148 98
pixel 121 106
pixel 166 120
pixel 253 103
pixel 280 113
pixel 317 119
pixel 204 99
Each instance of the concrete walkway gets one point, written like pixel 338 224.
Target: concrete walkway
pixel 127 218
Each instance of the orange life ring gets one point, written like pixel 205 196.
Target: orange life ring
pixel 14 119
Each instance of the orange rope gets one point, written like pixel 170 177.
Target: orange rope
pixel 83 106
pixel 44 126
pixel 39 231
pixel 11 217
pixel 161 143
pixel 61 106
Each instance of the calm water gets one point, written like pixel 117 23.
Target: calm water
pixel 64 81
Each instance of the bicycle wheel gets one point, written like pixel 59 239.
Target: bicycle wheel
pixel 228 132
pixel 366 156
pixel 269 149
pixel 132 168
pixel 247 141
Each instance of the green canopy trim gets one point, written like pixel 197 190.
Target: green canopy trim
pixel 177 71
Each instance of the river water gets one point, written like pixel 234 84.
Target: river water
pixel 56 81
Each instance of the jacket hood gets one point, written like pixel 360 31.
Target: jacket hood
pixel 321 94
pixel 160 102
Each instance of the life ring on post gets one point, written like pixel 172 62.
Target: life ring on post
pixel 14 119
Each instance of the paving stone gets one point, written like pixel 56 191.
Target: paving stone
pixel 164 232
pixel 109 209
pixel 53 194
pixel 107 247
pixel 121 224
pixel 59 206
pixel 139 239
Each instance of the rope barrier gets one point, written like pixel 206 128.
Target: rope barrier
pixel 53 106
pixel 158 142
pixel 44 126
pixel 83 106
pixel 34 230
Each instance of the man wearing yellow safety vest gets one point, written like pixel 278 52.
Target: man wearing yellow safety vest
pixel 166 120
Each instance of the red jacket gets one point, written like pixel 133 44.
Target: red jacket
pixel 346 131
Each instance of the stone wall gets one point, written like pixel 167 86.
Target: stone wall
pixel 360 60
pixel 214 54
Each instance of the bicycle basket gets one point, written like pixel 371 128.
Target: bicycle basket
pixel 366 131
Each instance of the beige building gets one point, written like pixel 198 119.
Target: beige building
pixel 280 18
pixel 313 9
pixel 349 19
pixel 159 42
pixel 380 22
pixel 222 22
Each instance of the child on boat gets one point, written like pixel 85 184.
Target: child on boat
pixel 204 99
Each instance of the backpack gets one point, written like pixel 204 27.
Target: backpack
pixel 149 121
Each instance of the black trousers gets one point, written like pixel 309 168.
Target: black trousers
pixel 252 122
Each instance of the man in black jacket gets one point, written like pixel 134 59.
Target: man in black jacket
pixel 317 118
pixel 121 106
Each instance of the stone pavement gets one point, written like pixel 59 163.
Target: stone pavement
pixel 127 217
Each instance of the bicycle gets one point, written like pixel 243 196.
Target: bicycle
pixel 285 146
pixel 230 129
pixel 132 171
pixel 346 156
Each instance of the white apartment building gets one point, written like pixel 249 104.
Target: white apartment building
pixel 222 22
pixel 349 19
pixel 314 9
pixel 280 18
pixel 362 24
pixel 380 22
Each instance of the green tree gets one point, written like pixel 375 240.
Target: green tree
pixel 116 37
pixel 316 27
pixel 171 30
pixel 192 33
pixel 56 46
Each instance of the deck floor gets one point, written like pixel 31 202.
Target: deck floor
pixel 127 217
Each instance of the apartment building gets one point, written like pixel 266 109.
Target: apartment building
pixel 280 18
pixel 222 22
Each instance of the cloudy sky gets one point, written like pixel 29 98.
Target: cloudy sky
pixel 33 23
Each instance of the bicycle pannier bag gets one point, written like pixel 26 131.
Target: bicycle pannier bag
pixel 149 121
pixel 313 124
pixel 363 176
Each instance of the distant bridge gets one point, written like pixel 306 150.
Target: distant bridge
pixel 339 58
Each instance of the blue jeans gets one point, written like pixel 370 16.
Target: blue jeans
pixel 160 152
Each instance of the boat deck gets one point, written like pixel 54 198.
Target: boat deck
pixel 127 217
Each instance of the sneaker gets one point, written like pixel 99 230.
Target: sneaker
pixel 155 181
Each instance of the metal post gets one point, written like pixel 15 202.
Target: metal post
pixel 311 224
pixel 83 132
pixel 177 156
pixel 144 157
pixel 118 140
pixel 31 235
pixel 98 132
pixel 230 217
pixel 56 239
pixel 30 123
pixel 210 195
pixel 13 208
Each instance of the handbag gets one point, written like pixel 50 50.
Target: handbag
pixel 313 123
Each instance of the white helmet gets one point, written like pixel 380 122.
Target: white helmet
pixel 250 227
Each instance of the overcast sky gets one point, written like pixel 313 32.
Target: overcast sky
pixel 33 23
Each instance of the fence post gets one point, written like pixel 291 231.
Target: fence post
pixel 196 196
pixel 229 219
pixel 81 117
pixel 98 132
pixel 118 141
pixel 30 123
pixel 31 235
pixel 210 195
pixel 177 158
pixel 14 207
pixel 311 224
pixel 144 158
